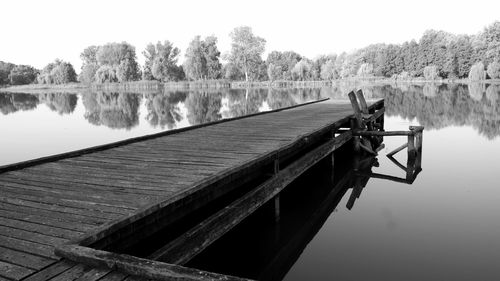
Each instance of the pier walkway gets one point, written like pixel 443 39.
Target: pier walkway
pixel 91 193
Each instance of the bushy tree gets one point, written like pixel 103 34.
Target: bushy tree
pixel 112 62
pixel 5 69
pixel 89 64
pixel 477 72
pixel 58 72
pixel 202 59
pixel 273 72
pixel 494 70
pixel 301 70
pixel 212 56
pixel 161 62
pixel 22 75
pixel 328 70
pixel 246 50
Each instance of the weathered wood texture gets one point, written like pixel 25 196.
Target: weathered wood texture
pixel 47 205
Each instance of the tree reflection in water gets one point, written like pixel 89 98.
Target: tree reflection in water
pixel 453 105
pixel 163 109
pixel 61 103
pixel 10 103
pixel 113 110
pixel 434 105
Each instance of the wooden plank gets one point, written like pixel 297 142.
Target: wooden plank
pixel 31 236
pixel 51 271
pixel 28 247
pixel 114 276
pixel 72 273
pixel 24 259
pixel 69 225
pixel 40 228
pixel 94 274
pixel 14 272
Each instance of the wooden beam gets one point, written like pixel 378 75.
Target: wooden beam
pixel 405 145
pixel 357 111
pixel 138 266
pixel 362 101
pixel 384 133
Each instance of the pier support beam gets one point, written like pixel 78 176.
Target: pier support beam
pixel 277 197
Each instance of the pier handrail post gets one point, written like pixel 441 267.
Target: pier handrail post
pixel 356 122
pixel 362 101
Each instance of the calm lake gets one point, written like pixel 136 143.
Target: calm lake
pixel 443 226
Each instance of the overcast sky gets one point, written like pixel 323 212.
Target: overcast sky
pixel 37 32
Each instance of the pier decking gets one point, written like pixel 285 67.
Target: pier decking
pixel 91 194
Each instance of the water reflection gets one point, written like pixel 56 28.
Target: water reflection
pixel 164 109
pixel 113 110
pixel 433 105
pixel 59 102
pixel 436 107
pixel 10 103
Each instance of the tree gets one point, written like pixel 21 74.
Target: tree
pixel 58 72
pixel 161 62
pixel 477 72
pixel 302 70
pixel 328 71
pixel 246 50
pixel 212 56
pixel 494 70
pixel 5 69
pixel 89 64
pixel 273 72
pixel 22 75
pixel 116 62
pixel 196 62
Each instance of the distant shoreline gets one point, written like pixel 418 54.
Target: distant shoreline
pixel 221 84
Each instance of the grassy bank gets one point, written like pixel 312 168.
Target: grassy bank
pixel 44 88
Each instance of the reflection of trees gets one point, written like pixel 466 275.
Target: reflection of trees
pixel 430 89
pixel 245 101
pixel 10 103
pixel 163 109
pixel 454 105
pixel 280 98
pixel 203 107
pixel 114 110
pixel 60 102
pixel 476 90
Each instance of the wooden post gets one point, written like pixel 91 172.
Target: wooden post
pixel 362 101
pixel 357 122
pixel 357 110
pixel 356 140
pixel 411 145
pixel 333 168
pixel 277 197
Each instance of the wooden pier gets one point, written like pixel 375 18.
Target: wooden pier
pixel 92 204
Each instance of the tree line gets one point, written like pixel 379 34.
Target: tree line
pixel 436 55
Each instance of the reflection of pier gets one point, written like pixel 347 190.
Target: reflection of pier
pixel 181 184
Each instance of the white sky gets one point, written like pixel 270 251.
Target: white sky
pixel 37 32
